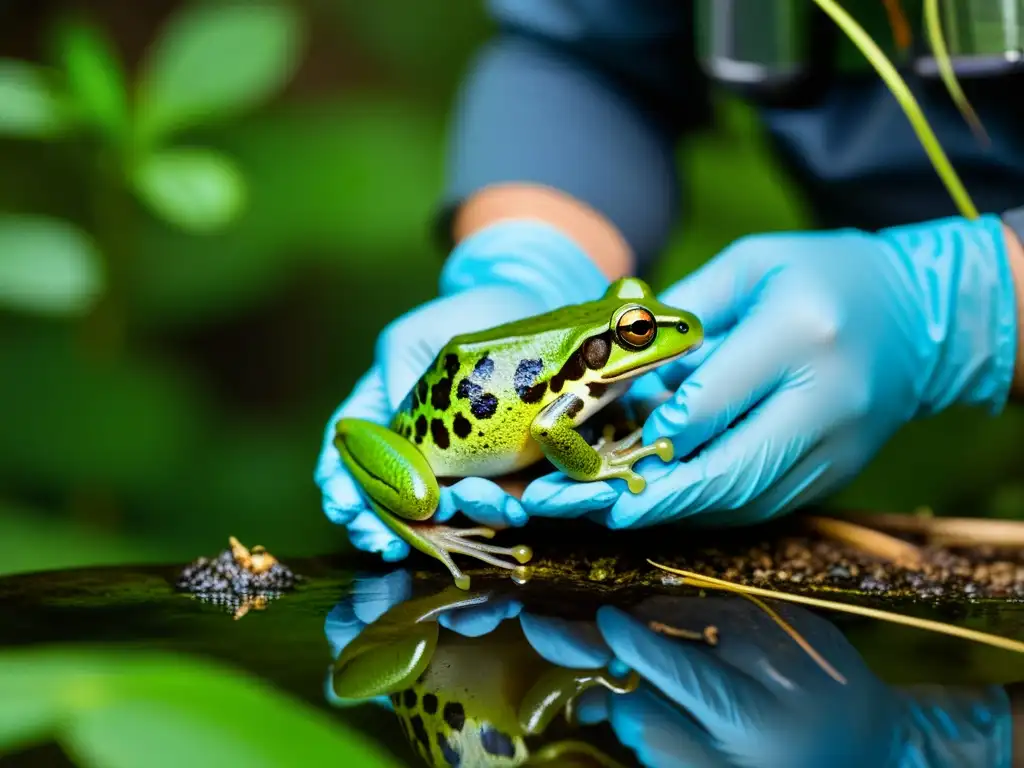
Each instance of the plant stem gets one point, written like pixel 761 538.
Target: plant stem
pixel 945 65
pixel 906 99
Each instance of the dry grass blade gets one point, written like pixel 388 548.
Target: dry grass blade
pixel 700 581
pixel 876 543
pixel 945 65
pixel 695 579
pixel 950 531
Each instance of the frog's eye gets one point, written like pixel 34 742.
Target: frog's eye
pixel 636 328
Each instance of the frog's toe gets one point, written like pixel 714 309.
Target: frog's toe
pixel 635 483
pixel 664 449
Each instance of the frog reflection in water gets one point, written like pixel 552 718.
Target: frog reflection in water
pixel 499 400
pixel 468 701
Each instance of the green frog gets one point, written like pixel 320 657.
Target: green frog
pixel 499 400
pixel 469 701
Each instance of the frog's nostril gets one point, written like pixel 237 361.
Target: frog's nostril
pixel 683 328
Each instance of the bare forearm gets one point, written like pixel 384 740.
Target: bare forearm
pixel 592 231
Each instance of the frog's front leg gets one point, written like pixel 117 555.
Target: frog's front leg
pixel 403 492
pixel 554 429
pixel 557 690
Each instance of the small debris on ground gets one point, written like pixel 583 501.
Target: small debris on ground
pixel 977 572
pixel 238 579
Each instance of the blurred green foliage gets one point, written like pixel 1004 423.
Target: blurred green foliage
pixel 208 210
pixel 113 710
pixel 207 213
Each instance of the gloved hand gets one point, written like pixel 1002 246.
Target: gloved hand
pixel 758 699
pixel 825 344
pixel 504 272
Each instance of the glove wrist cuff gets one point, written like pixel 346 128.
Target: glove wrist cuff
pixel 526 254
pixel 962 273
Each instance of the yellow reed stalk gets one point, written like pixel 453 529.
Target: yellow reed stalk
pixel 695 579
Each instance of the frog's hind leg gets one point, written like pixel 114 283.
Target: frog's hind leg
pixel 441 541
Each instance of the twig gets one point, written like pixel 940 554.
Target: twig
pixel 709 635
pixel 950 531
pixel 866 540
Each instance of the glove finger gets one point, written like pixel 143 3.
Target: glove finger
pixel 556 495
pixel 592 706
pixel 733 471
pixel 341 627
pixel 719 290
pixel 341 497
pixel 660 735
pixel 811 478
pixel 724 700
pixel 672 375
pixel 571 644
pixel 479 620
pixel 368 534
pixel 371 597
pixel 745 368
pixel 485 502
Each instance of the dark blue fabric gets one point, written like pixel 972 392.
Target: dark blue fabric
pixel 592 96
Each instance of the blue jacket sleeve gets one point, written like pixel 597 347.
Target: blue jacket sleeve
pixel 585 96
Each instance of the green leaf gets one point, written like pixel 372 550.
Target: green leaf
pixel 47 266
pixel 215 61
pixel 196 189
pixel 117 709
pixel 31 105
pixel 95 77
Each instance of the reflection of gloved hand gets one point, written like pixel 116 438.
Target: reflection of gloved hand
pixel 504 272
pixel 827 343
pixel 758 699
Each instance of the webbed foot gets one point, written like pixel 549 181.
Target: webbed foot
pixel 443 541
pixel 618 457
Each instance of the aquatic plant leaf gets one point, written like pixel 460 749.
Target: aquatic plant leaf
pixel 95 77
pixel 47 266
pixel 195 189
pixel 214 61
pixel 31 103
pixel 112 709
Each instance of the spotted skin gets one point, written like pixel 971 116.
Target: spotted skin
pixel 441 734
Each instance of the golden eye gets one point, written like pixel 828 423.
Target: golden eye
pixel 636 328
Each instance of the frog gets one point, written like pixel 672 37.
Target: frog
pixel 485 701
pixel 499 400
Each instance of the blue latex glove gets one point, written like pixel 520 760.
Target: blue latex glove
pixel 757 699
pixel 826 343
pixel 505 272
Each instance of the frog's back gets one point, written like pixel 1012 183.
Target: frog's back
pixel 465 414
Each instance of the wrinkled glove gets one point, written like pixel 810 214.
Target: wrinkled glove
pixel 758 699
pixel 824 344
pixel 505 272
